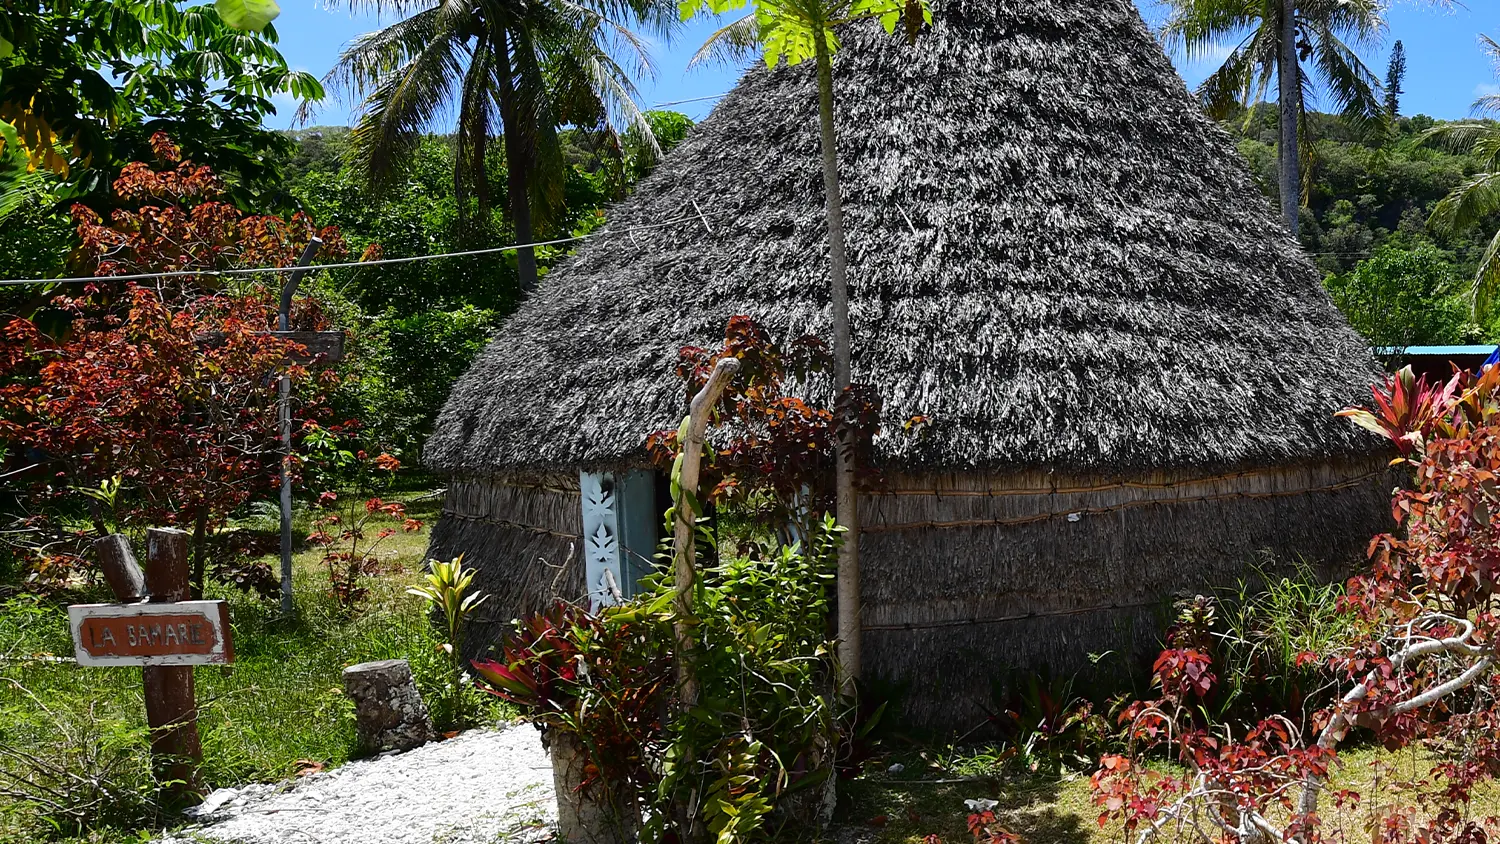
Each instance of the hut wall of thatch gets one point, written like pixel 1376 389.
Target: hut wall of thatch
pixel 521 533
pixel 967 576
pixel 970 575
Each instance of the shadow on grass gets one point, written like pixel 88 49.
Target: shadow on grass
pixel 1041 811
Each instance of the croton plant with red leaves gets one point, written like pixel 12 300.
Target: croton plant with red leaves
pixel 1424 622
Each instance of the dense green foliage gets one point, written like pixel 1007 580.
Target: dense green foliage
pixel 1364 190
pixel 1403 297
pixel 1370 199
pixel 753 750
pixel 417 326
pixel 87 83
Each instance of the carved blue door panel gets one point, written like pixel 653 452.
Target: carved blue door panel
pixel 619 533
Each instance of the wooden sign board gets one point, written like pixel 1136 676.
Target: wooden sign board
pixel 183 633
pixel 322 346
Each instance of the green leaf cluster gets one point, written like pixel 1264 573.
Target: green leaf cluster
pixel 1404 297
pixel 788 30
pixel 87 82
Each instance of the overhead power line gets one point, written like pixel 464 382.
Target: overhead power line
pixel 698 217
pixel 691 100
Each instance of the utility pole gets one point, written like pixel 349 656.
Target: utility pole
pixel 284 410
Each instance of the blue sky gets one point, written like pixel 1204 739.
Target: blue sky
pixel 1446 69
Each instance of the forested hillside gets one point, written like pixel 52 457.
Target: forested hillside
pixel 1369 200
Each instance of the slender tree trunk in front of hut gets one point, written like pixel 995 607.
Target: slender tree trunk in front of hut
pixel 847 504
pixel 684 545
pixel 517 163
pixel 1289 77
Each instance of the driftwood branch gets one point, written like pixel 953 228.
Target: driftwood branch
pixel 1338 726
pixel 684 549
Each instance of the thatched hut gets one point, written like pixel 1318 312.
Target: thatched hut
pixel 1129 368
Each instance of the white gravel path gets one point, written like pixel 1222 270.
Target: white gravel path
pixel 481 787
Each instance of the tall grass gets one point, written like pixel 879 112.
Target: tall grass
pixel 1267 630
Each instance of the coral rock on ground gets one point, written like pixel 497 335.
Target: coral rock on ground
pixel 483 786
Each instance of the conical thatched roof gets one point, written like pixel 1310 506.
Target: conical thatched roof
pixel 1054 256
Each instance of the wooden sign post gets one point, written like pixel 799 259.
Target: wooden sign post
pixel 167 636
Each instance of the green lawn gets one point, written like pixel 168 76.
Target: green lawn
pixel 278 709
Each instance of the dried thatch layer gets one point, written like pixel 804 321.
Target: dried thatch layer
pixel 1054 255
pixel 1036 570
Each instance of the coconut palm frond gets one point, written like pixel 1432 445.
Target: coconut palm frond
pixel 1354 88
pixel 1486 282
pixel 403 102
pixel 477 116
pixel 733 43
pixel 1231 86
pixel 533 75
pixel 1195 29
pixel 1457 138
pixel 1469 203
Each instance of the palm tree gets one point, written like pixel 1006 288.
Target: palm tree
pixel 1477 198
pixel 523 67
pixel 1299 43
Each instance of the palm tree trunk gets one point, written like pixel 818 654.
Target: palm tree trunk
pixel 847 506
pixel 517 167
pixel 1289 77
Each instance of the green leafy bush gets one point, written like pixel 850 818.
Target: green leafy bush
pixel 77 765
pixel 758 746
pixel 1404 297
pixel 413 362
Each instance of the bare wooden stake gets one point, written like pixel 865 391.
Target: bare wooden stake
pixel 171 702
pixel 120 569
